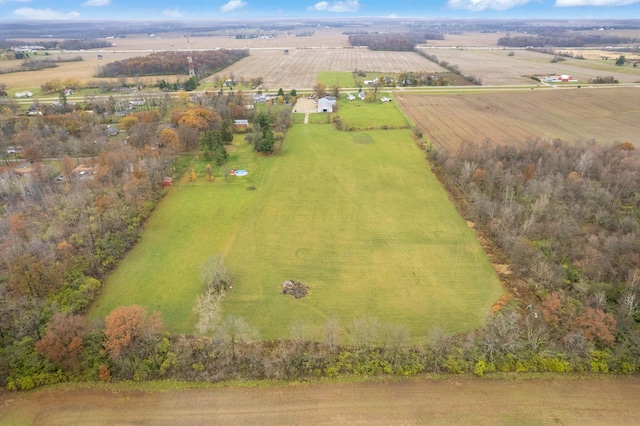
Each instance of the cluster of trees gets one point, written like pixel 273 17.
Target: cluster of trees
pixel 567 217
pixel 603 80
pixel 564 40
pixel 393 41
pixel 71 44
pixel 83 44
pixel 451 67
pixel 166 63
pixel 269 127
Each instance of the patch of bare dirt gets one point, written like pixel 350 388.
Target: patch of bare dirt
pixel 295 289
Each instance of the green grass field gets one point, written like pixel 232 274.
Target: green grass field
pixel 363 115
pixel 341 78
pixel 358 217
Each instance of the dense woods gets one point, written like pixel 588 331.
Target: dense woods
pixel 167 63
pixel 567 216
pixel 393 41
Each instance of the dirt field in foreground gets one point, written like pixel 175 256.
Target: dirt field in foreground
pixel 459 400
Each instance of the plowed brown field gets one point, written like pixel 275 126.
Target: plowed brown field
pixel 456 400
pixel 300 67
pixel 607 115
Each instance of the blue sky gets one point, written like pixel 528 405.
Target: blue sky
pixel 227 9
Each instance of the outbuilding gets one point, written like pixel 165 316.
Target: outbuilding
pixel 326 105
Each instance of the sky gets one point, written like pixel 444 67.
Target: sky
pixel 233 9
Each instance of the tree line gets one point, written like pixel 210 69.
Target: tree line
pixel 564 40
pixel 167 63
pixel 69 44
pixel 393 41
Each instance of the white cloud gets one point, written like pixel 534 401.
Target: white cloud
pixel 172 13
pixel 97 3
pixel 232 5
pixel 31 13
pixel 336 6
pixel 323 5
pixel 480 5
pixel 571 3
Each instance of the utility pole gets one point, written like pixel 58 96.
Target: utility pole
pixel 192 73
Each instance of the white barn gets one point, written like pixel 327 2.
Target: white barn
pixel 326 105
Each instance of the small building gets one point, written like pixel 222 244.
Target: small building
pixel 14 149
pixel 167 181
pixel 259 98
pixel 241 124
pixel 385 99
pixel 362 95
pixel 326 105
pixel 350 97
pixel 111 131
pixel 229 82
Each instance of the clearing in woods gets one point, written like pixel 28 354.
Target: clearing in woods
pixel 607 115
pixel 365 225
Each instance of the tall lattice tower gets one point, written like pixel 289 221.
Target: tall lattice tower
pixel 192 72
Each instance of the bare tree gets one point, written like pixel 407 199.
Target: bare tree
pixel 234 330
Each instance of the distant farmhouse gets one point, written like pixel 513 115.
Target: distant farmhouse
pixel 564 78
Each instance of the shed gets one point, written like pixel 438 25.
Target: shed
pixel 326 105
pixel 241 124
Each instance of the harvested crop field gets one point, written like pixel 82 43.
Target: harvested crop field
pixel 83 71
pixel 456 400
pixel 496 67
pixel 607 115
pixel 300 67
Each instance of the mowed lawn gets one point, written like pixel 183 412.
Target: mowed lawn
pixel 358 217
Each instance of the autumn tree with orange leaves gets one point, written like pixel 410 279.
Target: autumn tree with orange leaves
pixel 128 330
pixel 62 342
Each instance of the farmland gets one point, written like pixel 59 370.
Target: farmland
pixel 496 67
pixel 606 115
pixel 343 227
pixel 456 400
pixel 300 67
